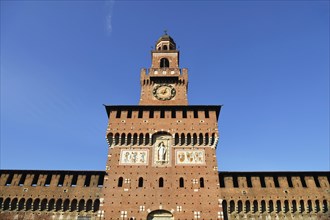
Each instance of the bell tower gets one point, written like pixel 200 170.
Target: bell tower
pixel 161 160
pixel 164 83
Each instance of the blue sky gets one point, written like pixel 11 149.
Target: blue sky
pixel 266 62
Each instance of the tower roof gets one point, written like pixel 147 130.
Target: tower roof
pixel 166 37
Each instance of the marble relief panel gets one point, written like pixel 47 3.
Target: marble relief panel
pixel 133 157
pixel 190 157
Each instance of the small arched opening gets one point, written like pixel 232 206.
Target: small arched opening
pixel 160 214
pixel 181 182
pixel 164 63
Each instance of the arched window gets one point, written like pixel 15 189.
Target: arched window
pixel 176 139
pixel 164 63
pixel 294 206
pixel 110 138
pixel 120 181
pixel 116 139
pixel 59 205
pixel 135 137
pixel 43 206
pixel 247 206
pixel 212 138
pixel 66 205
pixel 255 206
pixel 188 139
pixel 286 206
pixel 200 139
pixel 147 139
pixel 36 204
pixel 14 204
pixel 263 206
pixel 129 139
pixel 28 205
pixel 141 182
pixel 181 182
pixel 89 205
pixel 309 206
pixel 239 206
pixel 6 204
pixel 194 139
pixel 141 139
pixel 302 206
pixel 225 209
pixel 21 204
pixel 270 206
pixel 317 206
pixel 207 139
pixel 81 206
pixel 123 137
pixel 161 182
pixel 73 205
pixel 165 47
pixel 201 182
pixel 325 206
pixel 50 205
pixel 96 205
pixel 278 206
pixel 231 206
pixel 182 139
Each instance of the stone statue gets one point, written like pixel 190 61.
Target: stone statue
pixel 161 151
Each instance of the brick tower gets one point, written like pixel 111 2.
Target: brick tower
pixel 162 153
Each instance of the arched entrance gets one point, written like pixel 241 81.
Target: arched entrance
pixel 160 215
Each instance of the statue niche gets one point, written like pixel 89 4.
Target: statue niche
pixel 162 148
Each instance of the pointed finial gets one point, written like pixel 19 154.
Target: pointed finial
pixel 165 31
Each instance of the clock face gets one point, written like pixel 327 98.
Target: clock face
pixel 164 92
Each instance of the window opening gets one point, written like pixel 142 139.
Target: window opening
pixel 48 180
pixel 28 205
pixel 184 113
pixel 317 183
pixel 195 113
pixel 10 179
pixel 87 180
pixel 120 182
pixel 289 181
pixel 249 182
pixel 100 180
pixel 162 114
pixel 22 179
pixel 276 183
pixel 173 114
pixel 151 114
pixel 74 180
pixel 207 115
pixel 96 205
pixel 140 182
pixel 35 180
pixel 161 182
pixel 235 181
pixel 129 114
pixel 181 182
pixel 118 114
pixel 51 205
pixel 201 182
pixel 140 114
pixel 262 182
pixel 61 180
pixel 164 63
pixel 303 182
